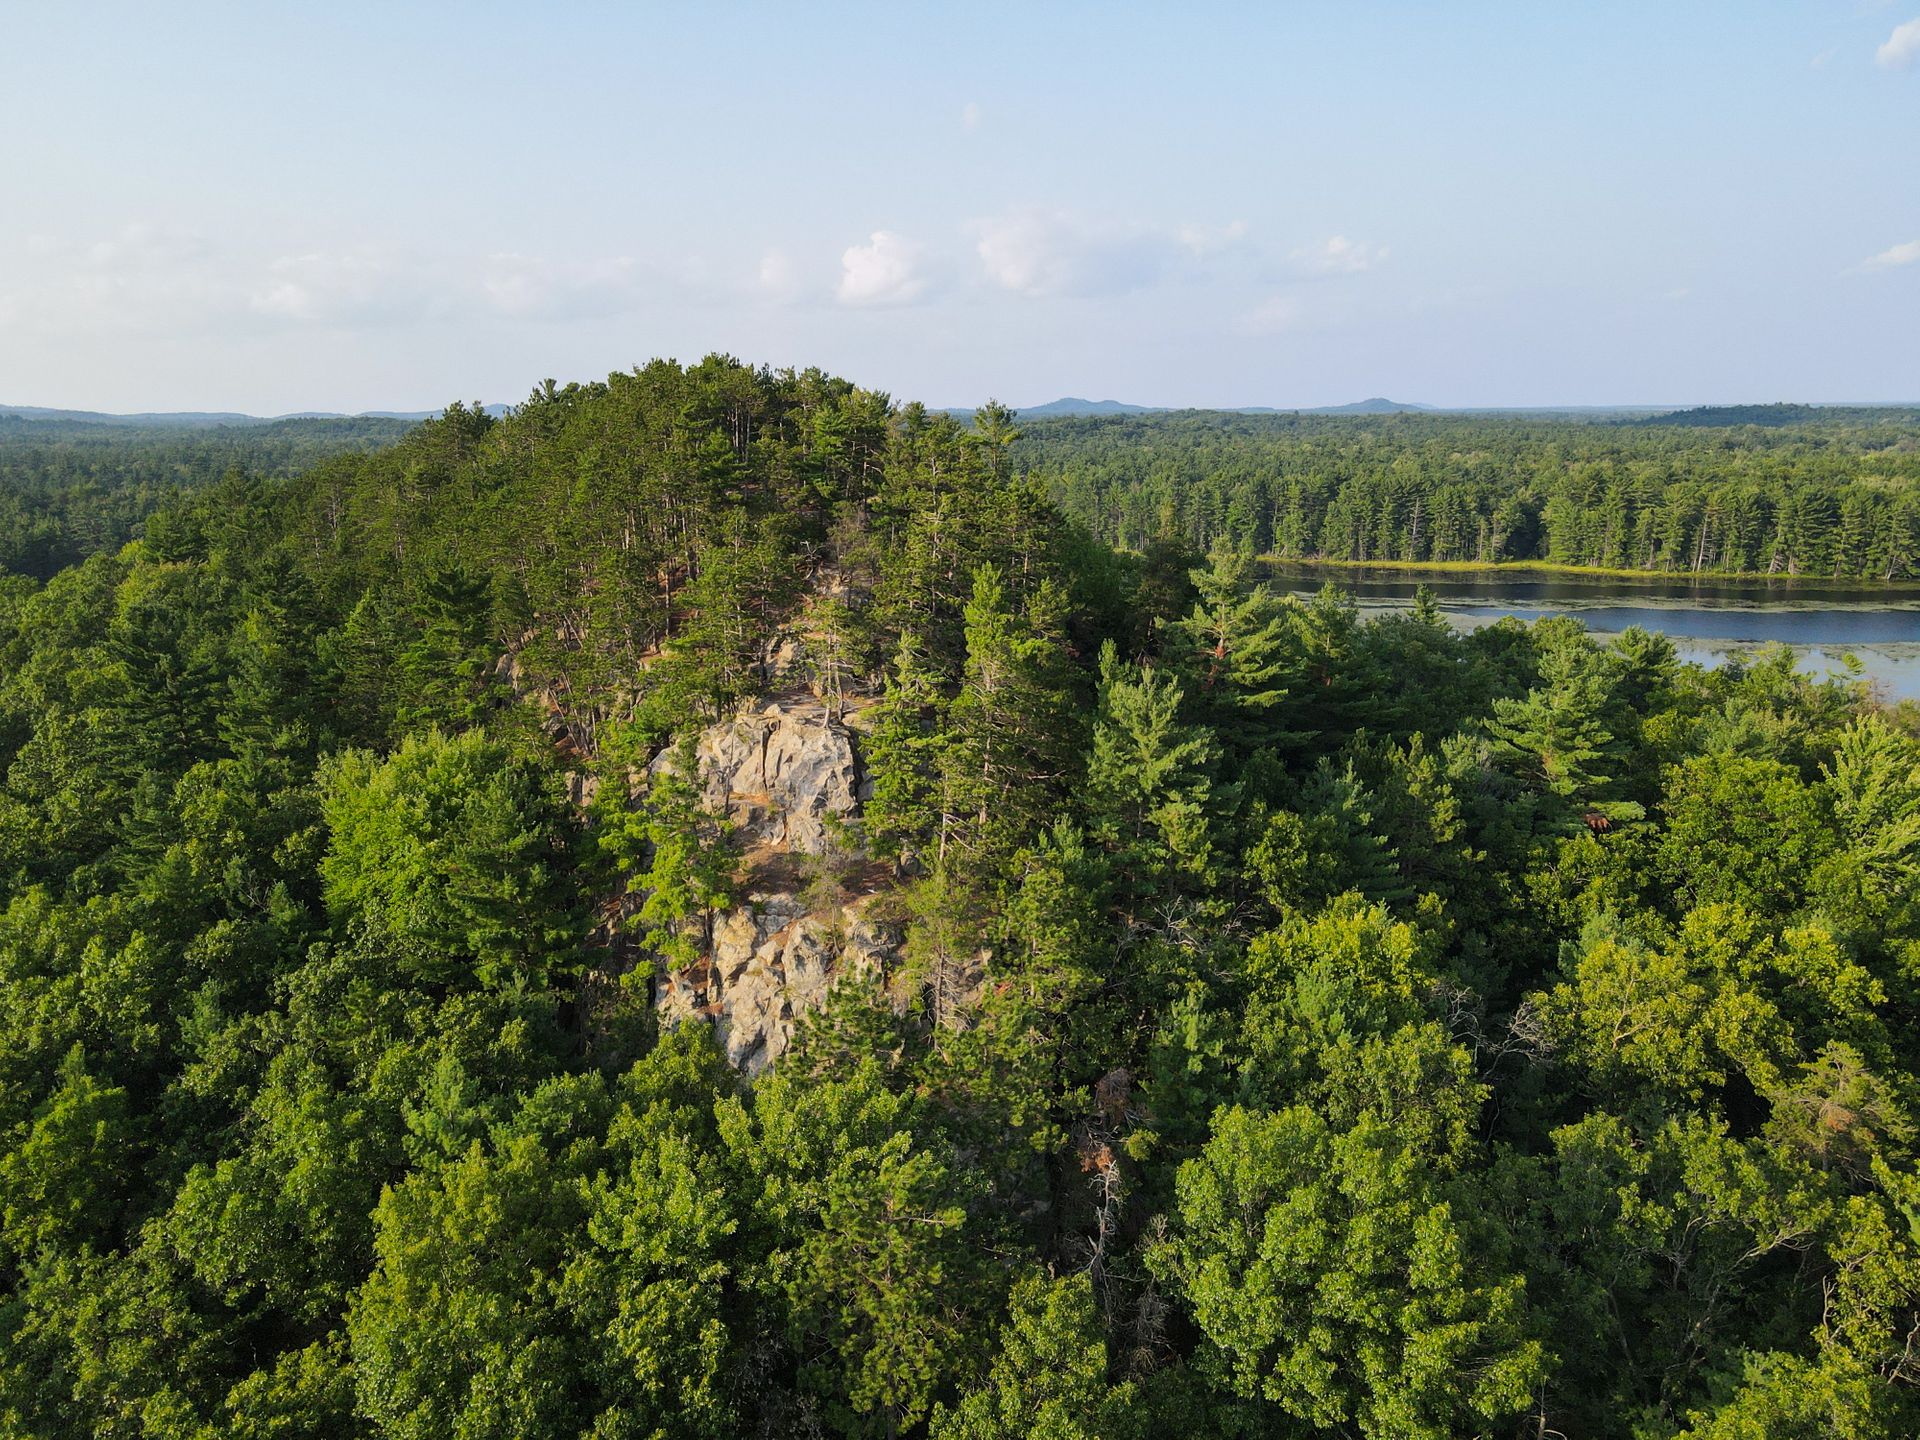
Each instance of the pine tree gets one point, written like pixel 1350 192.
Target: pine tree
pixel 903 747
pixel 676 856
pixel 1233 651
pixel 1147 790
pixel 1556 741
pixel 1013 734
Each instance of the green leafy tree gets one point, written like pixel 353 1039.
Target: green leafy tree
pixel 1331 1276
pixel 1233 649
pixel 673 853
pixel 458 854
pixel 1556 741
pixel 869 1255
pixel 1049 1381
pixel 906 737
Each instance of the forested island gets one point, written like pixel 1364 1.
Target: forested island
pixel 1783 491
pixel 722 904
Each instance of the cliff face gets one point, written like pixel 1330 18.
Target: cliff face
pixel 778 773
pixel 784 773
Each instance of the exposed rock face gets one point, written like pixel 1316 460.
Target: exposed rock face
pixel 778 772
pixel 772 961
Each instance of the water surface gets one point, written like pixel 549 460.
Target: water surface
pixel 1709 621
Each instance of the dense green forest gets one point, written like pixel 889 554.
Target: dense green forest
pixel 1303 1026
pixel 70 489
pixel 1775 490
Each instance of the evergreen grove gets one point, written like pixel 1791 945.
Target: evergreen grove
pixel 1790 491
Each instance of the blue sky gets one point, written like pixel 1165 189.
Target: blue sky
pixel 271 207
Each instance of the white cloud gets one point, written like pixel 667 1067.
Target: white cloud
pixel 1054 252
pixel 1337 255
pixel 884 271
pixel 528 287
pixel 1892 257
pixel 143 245
pixel 970 116
pixel 1035 252
pixel 143 279
pixel 1902 47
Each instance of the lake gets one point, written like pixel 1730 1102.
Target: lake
pixel 1709 621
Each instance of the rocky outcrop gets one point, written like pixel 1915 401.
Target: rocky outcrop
pixel 778 772
pixel 773 960
pixel 783 772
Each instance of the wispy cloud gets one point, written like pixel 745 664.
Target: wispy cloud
pixel 1039 253
pixel 970 115
pixel 1337 255
pixel 1276 315
pixel 371 287
pixel 346 287
pixel 141 244
pixel 776 277
pixel 534 288
pixel 1204 240
pixel 1902 47
pixel 1892 257
pixel 148 278
pixel 887 270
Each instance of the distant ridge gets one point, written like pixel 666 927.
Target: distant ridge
pixel 1073 405
pixel 1378 405
pixel 207 419
pixel 1780 413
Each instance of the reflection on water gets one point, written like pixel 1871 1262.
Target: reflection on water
pixel 1709 622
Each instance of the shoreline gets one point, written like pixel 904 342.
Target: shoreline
pixel 1545 568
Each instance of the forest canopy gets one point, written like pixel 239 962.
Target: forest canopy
pixel 70 489
pixel 1301 1025
pixel 1764 490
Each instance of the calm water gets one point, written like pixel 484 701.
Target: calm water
pixel 1709 622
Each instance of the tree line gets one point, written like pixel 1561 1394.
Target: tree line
pixel 1832 494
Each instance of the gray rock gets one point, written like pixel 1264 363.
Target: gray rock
pixel 778 773
pixel 772 962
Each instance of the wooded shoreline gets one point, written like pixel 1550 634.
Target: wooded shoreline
pixel 1591 572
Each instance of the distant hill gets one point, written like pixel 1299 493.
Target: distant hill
pixel 207 419
pixel 1378 405
pixel 179 419
pixel 1073 405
